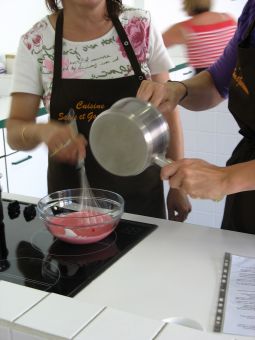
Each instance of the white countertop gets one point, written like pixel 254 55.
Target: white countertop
pixel 173 272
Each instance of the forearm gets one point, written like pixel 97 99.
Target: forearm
pixel 202 93
pixel 240 177
pixel 24 135
pixel 176 144
pixel 22 131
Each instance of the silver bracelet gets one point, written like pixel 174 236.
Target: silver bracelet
pixel 186 88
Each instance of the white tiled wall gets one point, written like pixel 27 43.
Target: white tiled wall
pixel 212 136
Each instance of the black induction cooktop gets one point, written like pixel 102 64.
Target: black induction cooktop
pixel 31 256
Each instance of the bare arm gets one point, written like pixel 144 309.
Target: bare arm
pixel 178 204
pixel 176 145
pixel 23 133
pixel 22 117
pixel 200 179
pixel 174 35
pixel 240 177
pixel 202 93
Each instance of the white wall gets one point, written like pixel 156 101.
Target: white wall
pixel 16 17
pixel 165 13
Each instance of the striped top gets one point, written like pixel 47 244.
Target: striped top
pixel 205 43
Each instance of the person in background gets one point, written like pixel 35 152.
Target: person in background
pixel 205 34
pixel 231 75
pixel 84 57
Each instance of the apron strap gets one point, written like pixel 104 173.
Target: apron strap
pixel 123 37
pixel 247 36
pixel 57 72
pixel 128 48
pixel 58 48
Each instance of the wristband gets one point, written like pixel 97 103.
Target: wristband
pixel 186 88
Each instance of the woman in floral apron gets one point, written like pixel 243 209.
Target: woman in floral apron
pixel 84 57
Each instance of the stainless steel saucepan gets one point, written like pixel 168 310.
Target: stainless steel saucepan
pixel 129 137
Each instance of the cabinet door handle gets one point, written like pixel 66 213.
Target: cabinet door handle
pixel 185 73
pixel 21 160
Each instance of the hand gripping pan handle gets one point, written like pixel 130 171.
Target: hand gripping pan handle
pixel 161 161
pixel 129 137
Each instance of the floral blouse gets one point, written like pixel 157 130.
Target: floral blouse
pixel 102 58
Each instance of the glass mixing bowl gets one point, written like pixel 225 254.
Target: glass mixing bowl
pixel 81 216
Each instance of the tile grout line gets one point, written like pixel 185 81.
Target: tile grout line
pixel 30 308
pixel 90 321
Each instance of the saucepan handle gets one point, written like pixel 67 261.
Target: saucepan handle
pixel 161 160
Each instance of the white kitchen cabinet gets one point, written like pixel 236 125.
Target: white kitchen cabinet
pixel 25 172
pixel 181 72
pixel 4 147
pixel 7 149
pixel 3 179
pixel 5 332
pixel 19 335
pixel 5 84
pixel 2 150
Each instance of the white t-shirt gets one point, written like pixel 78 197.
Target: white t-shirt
pixel 102 58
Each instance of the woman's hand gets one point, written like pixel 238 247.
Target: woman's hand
pixel 63 144
pixel 178 205
pixel 164 96
pixel 197 178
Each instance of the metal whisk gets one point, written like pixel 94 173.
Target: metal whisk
pixel 88 202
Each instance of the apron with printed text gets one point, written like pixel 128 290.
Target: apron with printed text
pixel 143 194
pixel 239 213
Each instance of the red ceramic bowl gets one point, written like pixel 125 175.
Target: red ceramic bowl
pixel 81 216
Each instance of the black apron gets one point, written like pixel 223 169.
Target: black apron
pixel 143 194
pixel 239 213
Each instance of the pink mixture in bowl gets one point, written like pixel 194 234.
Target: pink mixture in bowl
pixel 81 227
pixel 81 215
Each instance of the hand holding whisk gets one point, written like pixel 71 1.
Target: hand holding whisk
pixel 88 202
pixel 63 144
